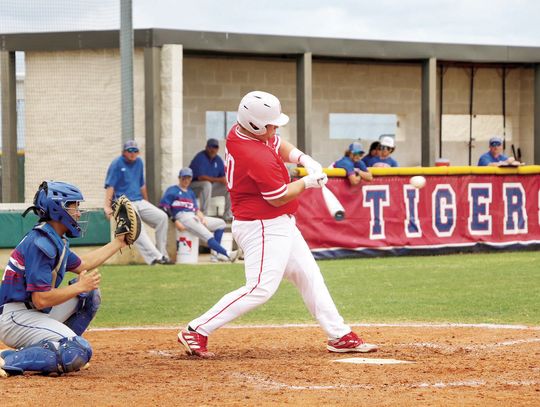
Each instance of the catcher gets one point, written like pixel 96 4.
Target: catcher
pixel 41 320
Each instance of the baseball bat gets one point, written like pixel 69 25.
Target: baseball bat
pixel 514 152
pixel 332 203
pixel 518 154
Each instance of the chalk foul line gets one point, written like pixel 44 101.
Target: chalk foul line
pixel 268 383
pixel 374 325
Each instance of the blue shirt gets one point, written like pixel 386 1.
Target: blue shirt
pixel 203 165
pixel 368 160
pixel 487 158
pixel 346 163
pixel 31 264
pixel 175 201
pixel 380 162
pixel 126 178
pixel 360 165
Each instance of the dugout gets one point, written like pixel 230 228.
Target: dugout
pixel 436 99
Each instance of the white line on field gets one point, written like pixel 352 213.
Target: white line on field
pixel 448 348
pixel 267 383
pixel 390 325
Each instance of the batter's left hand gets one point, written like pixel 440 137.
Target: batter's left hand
pixel 317 180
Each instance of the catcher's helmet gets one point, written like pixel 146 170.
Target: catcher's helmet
pixel 50 204
pixel 258 109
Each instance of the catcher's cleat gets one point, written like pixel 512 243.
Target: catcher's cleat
pixel 195 344
pixel 350 343
pixel 3 373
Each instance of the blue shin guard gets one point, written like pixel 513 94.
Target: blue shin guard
pixel 67 355
pixel 86 311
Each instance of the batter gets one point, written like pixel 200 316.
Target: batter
pixel 263 202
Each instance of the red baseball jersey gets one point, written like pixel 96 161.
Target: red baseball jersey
pixel 256 173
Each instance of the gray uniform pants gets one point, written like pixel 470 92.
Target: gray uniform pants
pixel 20 326
pixel 206 190
pixel 194 225
pixel 157 219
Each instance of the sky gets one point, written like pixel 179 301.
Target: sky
pixel 500 22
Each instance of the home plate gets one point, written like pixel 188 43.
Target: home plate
pixel 372 361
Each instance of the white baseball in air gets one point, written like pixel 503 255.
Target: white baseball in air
pixel 418 181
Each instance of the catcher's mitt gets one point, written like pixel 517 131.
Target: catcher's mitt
pixel 128 221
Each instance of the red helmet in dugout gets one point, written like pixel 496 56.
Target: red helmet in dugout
pixel 258 109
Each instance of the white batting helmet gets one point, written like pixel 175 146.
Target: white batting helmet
pixel 258 109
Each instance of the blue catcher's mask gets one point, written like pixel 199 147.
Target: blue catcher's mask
pixel 51 203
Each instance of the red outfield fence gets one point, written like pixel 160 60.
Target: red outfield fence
pixel 452 213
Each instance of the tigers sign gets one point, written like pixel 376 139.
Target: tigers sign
pixel 451 213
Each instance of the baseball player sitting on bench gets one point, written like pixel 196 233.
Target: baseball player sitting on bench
pixel 180 202
pixel 42 320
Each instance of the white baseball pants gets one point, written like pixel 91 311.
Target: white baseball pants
pixel 273 249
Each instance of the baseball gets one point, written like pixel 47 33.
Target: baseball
pixel 418 181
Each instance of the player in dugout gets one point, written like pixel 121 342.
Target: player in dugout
pixel 372 153
pixel 180 203
pixel 352 163
pixel 264 201
pixel 495 156
pixel 40 319
pixel 386 147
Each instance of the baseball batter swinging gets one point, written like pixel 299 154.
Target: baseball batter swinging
pixel 42 320
pixel 263 203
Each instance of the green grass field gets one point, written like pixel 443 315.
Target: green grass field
pixel 466 288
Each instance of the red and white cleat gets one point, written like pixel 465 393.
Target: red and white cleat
pixel 350 343
pixel 195 344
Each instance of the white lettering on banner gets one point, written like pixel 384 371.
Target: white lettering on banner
pixel 444 207
pixel 412 222
pixel 515 215
pixel 229 169
pixel 376 197
pixel 480 198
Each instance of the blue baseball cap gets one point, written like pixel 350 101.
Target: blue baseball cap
pixel 495 140
pixel 186 172
pixel 212 142
pixel 131 145
pixel 356 148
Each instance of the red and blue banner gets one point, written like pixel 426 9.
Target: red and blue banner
pixel 452 213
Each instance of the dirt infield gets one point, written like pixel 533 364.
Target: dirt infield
pixel 276 366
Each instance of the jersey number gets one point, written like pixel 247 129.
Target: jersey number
pixel 229 170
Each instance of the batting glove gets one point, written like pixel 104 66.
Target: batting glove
pixel 317 180
pixel 311 166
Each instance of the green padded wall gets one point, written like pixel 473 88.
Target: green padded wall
pixel 13 227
